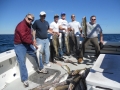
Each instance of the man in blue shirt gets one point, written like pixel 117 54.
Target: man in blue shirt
pixel 40 30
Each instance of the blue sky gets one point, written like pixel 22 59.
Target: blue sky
pixel 107 12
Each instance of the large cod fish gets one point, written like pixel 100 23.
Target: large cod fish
pixel 84 26
pixel 55 42
pixel 67 42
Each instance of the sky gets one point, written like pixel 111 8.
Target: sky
pixel 107 12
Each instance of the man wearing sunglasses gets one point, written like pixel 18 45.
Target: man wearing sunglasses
pixel 23 43
pixel 93 29
pixel 40 36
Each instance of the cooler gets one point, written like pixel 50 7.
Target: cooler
pixel 105 74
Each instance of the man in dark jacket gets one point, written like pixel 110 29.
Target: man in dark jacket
pixel 23 43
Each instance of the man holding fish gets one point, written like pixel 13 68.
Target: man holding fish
pixel 40 30
pixel 63 29
pixel 23 44
pixel 91 29
pixel 75 30
pixel 56 37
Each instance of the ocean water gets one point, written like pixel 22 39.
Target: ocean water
pixel 6 40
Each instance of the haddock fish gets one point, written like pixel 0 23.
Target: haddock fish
pixel 57 79
pixel 50 77
pixel 72 35
pixel 84 26
pixel 75 72
pixel 55 41
pixel 52 88
pixel 64 77
pixel 69 61
pixel 66 68
pixel 61 78
pixel 71 86
pixel 67 42
pixel 61 87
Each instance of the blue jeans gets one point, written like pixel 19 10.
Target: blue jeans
pixel 21 50
pixel 43 48
pixel 60 52
pixel 63 43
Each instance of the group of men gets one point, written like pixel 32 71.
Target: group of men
pixel 64 31
pixel 33 39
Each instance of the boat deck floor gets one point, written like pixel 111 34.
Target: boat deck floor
pixel 36 79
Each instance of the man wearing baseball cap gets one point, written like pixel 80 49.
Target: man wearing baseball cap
pixel 63 24
pixel 40 30
pixel 54 26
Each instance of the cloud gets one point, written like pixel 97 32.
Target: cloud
pixel 49 11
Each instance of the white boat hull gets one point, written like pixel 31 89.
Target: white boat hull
pixel 9 68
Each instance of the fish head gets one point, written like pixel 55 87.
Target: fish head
pixel 71 86
pixel 52 88
pixel 65 67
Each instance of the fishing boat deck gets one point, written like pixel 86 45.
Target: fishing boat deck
pixel 8 58
pixel 88 62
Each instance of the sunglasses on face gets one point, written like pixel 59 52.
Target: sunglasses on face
pixel 43 15
pixel 93 19
pixel 72 16
pixel 30 19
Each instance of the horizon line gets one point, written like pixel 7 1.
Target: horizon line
pixel 103 33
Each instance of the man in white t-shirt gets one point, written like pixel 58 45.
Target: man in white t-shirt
pixel 63 29
pixel 75 31
pixel 93 29
pixel 54 26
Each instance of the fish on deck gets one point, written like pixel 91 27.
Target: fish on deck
pixel 70 61
pixel 64 77
pixel 66 68
pixel 50 77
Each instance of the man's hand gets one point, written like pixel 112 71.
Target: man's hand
pixel 34 41
pixel 58 34
pixel 72 29
pixel 82 35
pixel 102 41
pixel 35 44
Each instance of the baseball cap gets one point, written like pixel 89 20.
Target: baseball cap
pixel 42 13
pixel 56 15
pixel 63 13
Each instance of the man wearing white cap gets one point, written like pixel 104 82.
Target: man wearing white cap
pixel 40 30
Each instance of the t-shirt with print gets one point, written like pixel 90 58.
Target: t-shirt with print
pixel 63 23
pixel 41 29
pixel 75 25
pixel 93 30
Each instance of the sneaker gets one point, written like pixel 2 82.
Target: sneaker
pixel 80 60
pixel 26 84
pixel 48 64
pixel 42 71
pixel 61 59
